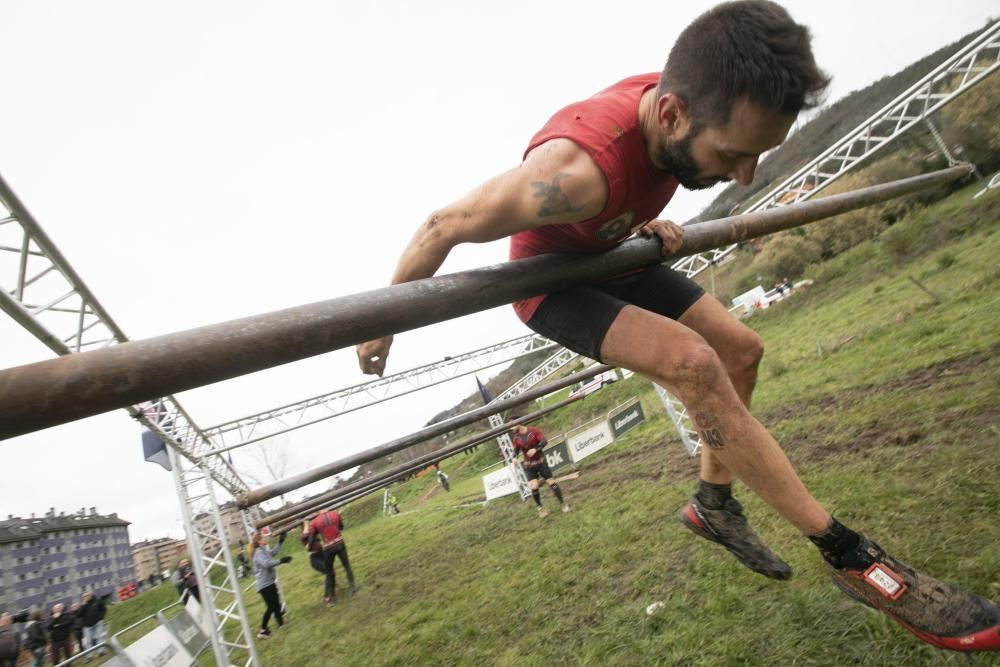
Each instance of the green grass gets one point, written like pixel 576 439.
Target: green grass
pixel 895 430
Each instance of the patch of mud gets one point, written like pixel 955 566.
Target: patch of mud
pixel 665 459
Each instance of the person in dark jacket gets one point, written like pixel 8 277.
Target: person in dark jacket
pixel 189 579
pixel 10 646
pixel 36 639
pixel 266 581
pixel 92 619
pixel 74 611
pixel 60 627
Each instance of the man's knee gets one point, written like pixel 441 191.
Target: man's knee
pixel 749 351
pixel 696 371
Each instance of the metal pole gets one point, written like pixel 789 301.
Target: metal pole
pixel 43 394
pixel 390 475
pixel 274 489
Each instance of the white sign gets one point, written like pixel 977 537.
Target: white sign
pixel 198 615
pixel 585 443
pixel 159 648
pixel 749 300
pixel 499 483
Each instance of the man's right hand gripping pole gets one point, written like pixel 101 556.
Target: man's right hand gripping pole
pixel 372 355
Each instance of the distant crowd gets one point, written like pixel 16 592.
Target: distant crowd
pixel 62 635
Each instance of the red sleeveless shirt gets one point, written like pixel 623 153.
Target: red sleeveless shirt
pixel 607 127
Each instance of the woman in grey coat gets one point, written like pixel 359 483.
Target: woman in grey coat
pixel 264 563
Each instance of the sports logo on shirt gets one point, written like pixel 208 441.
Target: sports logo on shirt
pixel 616 227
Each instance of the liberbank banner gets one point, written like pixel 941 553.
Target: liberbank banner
pixel 499 483
pixel 589 441
pixel 557 455
pixel 625 417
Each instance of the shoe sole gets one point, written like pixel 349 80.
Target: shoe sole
pixel 983 640
pixel 690 519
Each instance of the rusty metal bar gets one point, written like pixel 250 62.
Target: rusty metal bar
pixel 275 489
pixel 386 477
pixel 46 393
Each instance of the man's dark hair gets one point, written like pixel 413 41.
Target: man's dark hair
pixel 750 49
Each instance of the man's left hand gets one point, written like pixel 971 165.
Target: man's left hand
pixel 671 235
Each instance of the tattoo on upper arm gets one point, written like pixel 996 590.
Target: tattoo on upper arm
pixel 555 200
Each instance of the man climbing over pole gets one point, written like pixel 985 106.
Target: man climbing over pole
pixel 530 441
pixel 604 168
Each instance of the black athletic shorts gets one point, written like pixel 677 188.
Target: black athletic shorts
pixel 540 471
pixel 579 317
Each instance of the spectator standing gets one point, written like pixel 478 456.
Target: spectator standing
pixel 176 580
pixel 9 644
pixel 92 619
pixel 74 611
pixel 189 579
pixel 60 627
pixel 264 562
pixel 35 639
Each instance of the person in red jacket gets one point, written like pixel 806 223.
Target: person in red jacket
pixel 604 168
pixel 324 537
pixel 529 441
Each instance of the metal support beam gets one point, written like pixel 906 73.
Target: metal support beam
pixel 267 424
pixel 44 276
pixel 386 477
pixel 43 394
pixel 274 489
pixel 221 598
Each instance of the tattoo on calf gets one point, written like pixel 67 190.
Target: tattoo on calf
pixel 708 427
pixel 556 201
pixel 713 438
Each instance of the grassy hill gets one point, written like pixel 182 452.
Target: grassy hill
pixel 887 402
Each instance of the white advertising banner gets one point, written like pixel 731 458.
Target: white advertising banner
pixel 585 443
pixel 499 483
pixel 159 648
pixel 194 609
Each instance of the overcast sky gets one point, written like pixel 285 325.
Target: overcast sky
pixel 201 161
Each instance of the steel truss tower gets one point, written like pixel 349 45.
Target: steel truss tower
pixel 263 425
pixel 50 300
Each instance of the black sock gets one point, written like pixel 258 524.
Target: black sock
pixel 538 498
pixel 555 490
pixel 713 496
pixel 835 543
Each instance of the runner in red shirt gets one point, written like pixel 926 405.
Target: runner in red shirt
pixel 323 536
pixel 529 441
pixel 604 168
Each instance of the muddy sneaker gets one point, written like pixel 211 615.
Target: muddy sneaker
pixel 542 513
pixel 938 613
pixel 729 528
pixel 263 634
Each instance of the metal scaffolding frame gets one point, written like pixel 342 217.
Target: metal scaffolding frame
pixel 48 298
pixel 225 617
pixel 269 423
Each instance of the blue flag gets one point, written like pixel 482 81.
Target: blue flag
pixel 485 395
pixel 154 449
